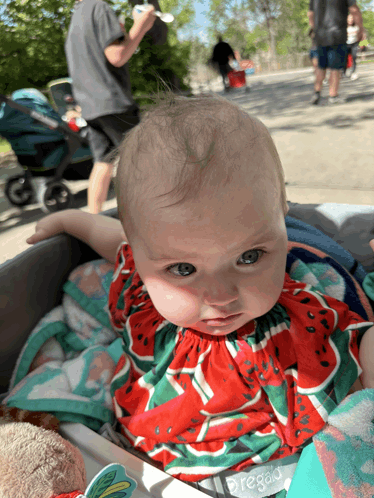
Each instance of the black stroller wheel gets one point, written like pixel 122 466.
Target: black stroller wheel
pixel 18 191
pixel 57 197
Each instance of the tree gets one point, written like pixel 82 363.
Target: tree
pixel 292 27
pixel 32 34
pixel 368 21
pixel 257 39
pixel 267 11
pixel 153 64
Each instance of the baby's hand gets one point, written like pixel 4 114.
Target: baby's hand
pixel 47 227
pixel 372 244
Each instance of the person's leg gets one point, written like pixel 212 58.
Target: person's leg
pixel 100 145
pixel 354 50
pixel 349 51
pixel 111 130
pixel 314 59
pixel 337 56
pixel 334 82
pixel 222 70
pixel 320 75
pixel 98 186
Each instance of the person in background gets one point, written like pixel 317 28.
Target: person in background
pixel 313 54
pixel 352 44
pixel 329 22
pixel 222 53
pixel 98 50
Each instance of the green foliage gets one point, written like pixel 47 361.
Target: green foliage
pixel 284 45
pixel 368 22
pixel 151 66
pixel 199 52
pixel 256 40
pixel 32 37
pixel 32 34
pixel 292 27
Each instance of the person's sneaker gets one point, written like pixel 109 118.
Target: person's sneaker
pixel 354 76
pixel 315 99
pixel 336 100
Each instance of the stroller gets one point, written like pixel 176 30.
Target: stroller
pixel 348 226
pixel 46 148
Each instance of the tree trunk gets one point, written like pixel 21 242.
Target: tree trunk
pixel 270 26
pixel 159 30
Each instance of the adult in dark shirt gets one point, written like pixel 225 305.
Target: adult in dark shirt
pixel 97 51
pixel 328 18
pixel 222 52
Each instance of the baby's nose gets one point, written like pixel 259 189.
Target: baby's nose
pixel 220 294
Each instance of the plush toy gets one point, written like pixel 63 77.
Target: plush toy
pixel 39 463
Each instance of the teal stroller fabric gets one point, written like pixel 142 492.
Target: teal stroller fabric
pixel 24 133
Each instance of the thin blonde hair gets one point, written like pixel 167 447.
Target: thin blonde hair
pixel 187 138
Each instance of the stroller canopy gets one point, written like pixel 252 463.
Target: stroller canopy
pixel 20 129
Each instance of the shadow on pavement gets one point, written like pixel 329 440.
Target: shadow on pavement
pixel 335 122
pixel 17 216
pixel 290 98
pixel 360 97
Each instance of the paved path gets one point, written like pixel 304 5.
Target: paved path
pixel 327 151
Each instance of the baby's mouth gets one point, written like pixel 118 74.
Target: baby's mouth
pixel 220 322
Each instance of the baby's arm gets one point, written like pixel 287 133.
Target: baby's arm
pixel 366 355
pixel 103 233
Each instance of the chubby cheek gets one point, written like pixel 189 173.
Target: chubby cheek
pixel 263 292
pixel 177 305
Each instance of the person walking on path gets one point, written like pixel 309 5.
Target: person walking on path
pixel 352 44
pixel 313 54
pixel 98 50
pixel 222 52
pixel 329 22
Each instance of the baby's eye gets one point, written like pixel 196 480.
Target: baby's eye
pixel 181 269
pixel 250 257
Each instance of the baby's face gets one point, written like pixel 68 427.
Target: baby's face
pixel 217 263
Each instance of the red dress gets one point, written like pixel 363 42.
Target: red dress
pixel 199 404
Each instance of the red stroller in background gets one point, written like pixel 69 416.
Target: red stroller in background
pixel 237 77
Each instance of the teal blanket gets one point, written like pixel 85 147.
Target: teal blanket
pixel 68 361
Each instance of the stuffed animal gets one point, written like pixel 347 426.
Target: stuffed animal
pixel 38 463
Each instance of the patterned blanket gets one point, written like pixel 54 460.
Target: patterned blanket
pixel 339 462
pixel 67 363
pixel 345 447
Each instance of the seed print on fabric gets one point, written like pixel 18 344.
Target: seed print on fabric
pixel 199 404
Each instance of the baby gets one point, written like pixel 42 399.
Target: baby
pixel 226 360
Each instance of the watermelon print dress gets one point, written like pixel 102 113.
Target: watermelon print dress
pixel 199 404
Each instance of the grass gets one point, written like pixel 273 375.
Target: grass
pixel 4 146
